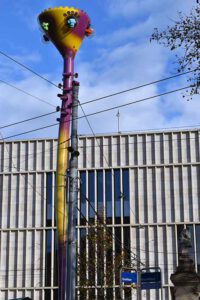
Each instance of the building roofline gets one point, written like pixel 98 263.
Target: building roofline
pixel 122 133
pixel 136 132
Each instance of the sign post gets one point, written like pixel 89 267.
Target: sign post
pixel 142 279
pixel 139 290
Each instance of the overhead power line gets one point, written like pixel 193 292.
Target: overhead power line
pixel 137 101
pixel 29 131
pixel 101 111
pixel 123 105
pixel 132 102
pixel 27 68
pixel 30 119
pixel 7 167
pixel 103 97
pixel 137 87
pixel 30 184
pixel 96 213
pixel 114 237
pixel 26 93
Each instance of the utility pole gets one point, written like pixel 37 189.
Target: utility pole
pixel 73 196
pixel 139 291
pixel 65 27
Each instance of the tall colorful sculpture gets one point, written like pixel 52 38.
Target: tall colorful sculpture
pixel 66 28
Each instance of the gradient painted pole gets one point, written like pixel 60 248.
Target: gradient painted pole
pixel 62 166
pixel 65 27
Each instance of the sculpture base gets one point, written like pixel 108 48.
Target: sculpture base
pixel 186 285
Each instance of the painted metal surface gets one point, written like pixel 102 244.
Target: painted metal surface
pixel 65 27
pixel 62 165
pixel 56 27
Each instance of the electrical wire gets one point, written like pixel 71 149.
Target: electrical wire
pixel 26 93
pixel 107 145
pixel 100 219
pixel 31 154
pixel 141 142
pixel 120 242
pixel 114 237
pixel 91 227
pixel 102 111
pixel 137 101
pixel 106 96
pixel 44 269
pixel 27 68
pixel 29 119
pixel 90 125
pixel 100 148
pixel 132 102
pixel 99 112
pixel 135 248
pixel 135 257
pixel 30 131
pixel 100 145
pixel 137 87
pixel 33 188
pixel 115 108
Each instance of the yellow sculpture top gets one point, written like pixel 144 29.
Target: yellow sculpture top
pixel 65 27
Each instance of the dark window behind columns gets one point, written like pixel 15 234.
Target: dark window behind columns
pixel 126 197
pixel 49 196
pixel 83 197
pixel 108 192
pixel 100 192
pixel 117 196
pixel 91 195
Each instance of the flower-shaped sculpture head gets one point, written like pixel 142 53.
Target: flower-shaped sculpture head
pixel 65 27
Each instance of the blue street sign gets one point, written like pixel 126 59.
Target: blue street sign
pixel 128 277
pixel 150 280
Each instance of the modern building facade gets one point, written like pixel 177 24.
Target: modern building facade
pixel 146 184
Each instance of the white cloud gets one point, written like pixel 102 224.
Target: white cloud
pixel 126 66
pixel 125 58
pixel 17 106
pixel 130 8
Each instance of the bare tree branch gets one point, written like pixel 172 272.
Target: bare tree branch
pixel 184 35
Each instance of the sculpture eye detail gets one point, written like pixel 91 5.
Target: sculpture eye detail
pixel 71 22
pixel 45 26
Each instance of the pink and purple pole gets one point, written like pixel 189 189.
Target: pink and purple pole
pixel 66 28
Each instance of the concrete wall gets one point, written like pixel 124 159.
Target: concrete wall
pixel 164 189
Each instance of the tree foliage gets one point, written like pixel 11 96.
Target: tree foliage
pixel 184 34
pixel 98 264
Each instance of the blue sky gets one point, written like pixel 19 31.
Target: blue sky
pixel 118 56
